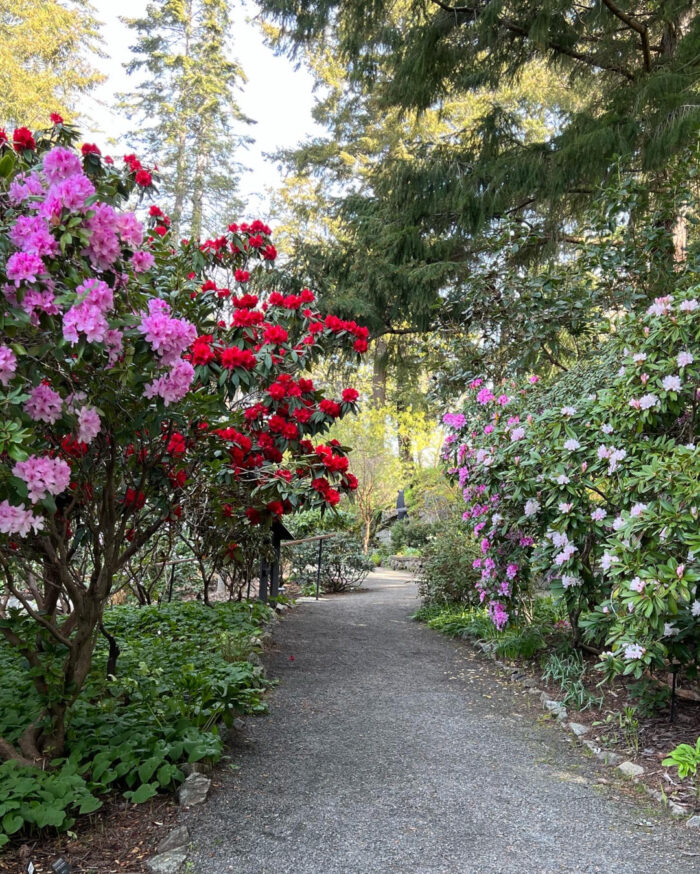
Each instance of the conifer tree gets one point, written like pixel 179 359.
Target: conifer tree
pixel 49 53
pixel 185 104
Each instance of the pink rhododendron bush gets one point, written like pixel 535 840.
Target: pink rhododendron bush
pixel 132 368
pixel 597 495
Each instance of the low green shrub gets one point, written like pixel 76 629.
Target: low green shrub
pixel 448 575
pixel 686 758
pixel 344 565
pixel 181 674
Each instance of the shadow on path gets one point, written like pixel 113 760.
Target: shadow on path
pixel 390 748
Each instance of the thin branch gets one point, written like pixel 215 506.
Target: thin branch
pixel 640 28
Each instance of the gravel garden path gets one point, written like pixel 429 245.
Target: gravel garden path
pixel 390 748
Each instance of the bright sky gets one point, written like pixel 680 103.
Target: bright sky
pixel 277 96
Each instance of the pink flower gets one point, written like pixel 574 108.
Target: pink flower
pixel 517 434
pixel 17 520
pixel 671 383
pixel 23 187
pixel 24 267
pixel 172 386
pixel 129 229
pixel 168 337
pixel 684 359
pixel 61 163
pixel 8 364
pixel 89 425
pixel 485 396
pixel 44 404
pixel 43 476
pixel 533 379
pixel 142 261
pixel 71 194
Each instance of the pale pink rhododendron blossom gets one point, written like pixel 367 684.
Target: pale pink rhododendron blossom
pixel 637 585
pixel 8 365
pixel 44 404
pixel 634 651
pixel 684 359
pixel 89 425
pixel 43 476
pixel 671 383
pixel 168 337
pixel 572 444
pixel 18 520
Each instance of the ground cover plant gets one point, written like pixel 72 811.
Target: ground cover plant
pixel 133 732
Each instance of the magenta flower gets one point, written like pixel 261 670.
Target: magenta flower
pixel 8 364
pixel 44 404
pixel 24 267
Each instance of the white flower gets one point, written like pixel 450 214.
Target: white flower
pixel 563 479
pixel 648 401
pixel 684 358
pixel 671 383
pixel 688 306
pixel 568 411
pixel 606 429
pixel 566 553
pixel 572 444
pixel 621 371
pixel 618 523
pixel 517 434
pixel 598 515
pixel 607 561
pixel 558 538
pixel 695 608
pixel 531 507
pixel 565 507
pixel 637 585
pixel 670 630
pixel 639 357
pixel 570 580
pixel 638 509
pixel 634 651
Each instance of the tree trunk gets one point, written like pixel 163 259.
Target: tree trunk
pixel 379 373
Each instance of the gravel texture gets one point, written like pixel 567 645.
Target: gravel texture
pixel 390 748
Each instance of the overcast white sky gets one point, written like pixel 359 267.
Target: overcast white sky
pixel 277 96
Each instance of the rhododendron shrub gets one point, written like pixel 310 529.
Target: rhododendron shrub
pixel 598 495
pixel 129 373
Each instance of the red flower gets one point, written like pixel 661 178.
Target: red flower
pixel 177 445
pixel 241 276
pixel 134 499
pixel 90 149
pixel 56 118
pixel 302 415
pixel 3 137
pixel 332 496
pixel 228 510
pixel 269 253
pixel 209 285
pixel 276 507
pixel 330 408
pixel 201 350
pixel 143 178
pixel 22 140
pixel 360 345
pixel 350 481
pixel 277 391
pixel 253 516
pixel 275 334
pixel 178 478
pixel 235 357
pixel 350 395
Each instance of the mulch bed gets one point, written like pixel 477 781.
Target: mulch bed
pixel 116 840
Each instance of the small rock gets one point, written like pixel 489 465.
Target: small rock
pixel 629 769
pixel 167 863
pixel 281 608
pixel 677 809
pixel 194 790
pixel 529 683
pixel 178 839
pixel 578 729
pixel 604 756
pixel 556 708
pixel 238 724
pixel 694 822
pixel 254 659
pixel 535 691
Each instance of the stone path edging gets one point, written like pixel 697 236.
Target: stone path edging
pixel 558 710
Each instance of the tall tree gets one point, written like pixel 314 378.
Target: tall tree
pixel 50 48
pixel 185 102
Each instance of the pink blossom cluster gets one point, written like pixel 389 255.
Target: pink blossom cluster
pixel 172 386
pixel 44 404
pixel 18 520
pixel 89 425
pixel 43 476
pixel 89 315
pixel 168 337
pixel 8 364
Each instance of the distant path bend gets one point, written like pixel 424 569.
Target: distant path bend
pixel 390 748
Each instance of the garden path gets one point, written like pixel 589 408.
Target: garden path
pixel 390 748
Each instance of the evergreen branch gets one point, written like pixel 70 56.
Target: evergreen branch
pixel 641 29
pixel 519 30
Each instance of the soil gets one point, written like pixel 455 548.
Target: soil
pixel 116 840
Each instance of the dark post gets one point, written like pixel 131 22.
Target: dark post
pixel 262 591
pixel 318 569
pixel 275 568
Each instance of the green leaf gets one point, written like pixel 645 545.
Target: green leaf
pixel 143 793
